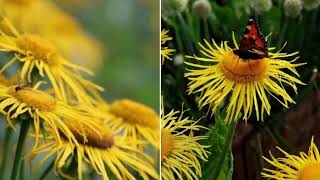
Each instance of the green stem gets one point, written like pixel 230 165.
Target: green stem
pixel 5 153
pixel 18 157
pixel 225 150
pixel 21 175
pixel 283 31
pixel 46 172
pixel 206 29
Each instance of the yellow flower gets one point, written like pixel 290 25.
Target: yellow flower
pixel 180 149
pixel 42 108
pixel 221 74
pixel 306 166
pixel 37 53
pixel 136 120
pixel 57 26
pixel 101 151
pixel 165 51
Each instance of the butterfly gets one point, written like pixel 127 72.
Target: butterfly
pixel 253 44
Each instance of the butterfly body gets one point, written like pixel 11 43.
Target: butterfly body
pixel 253 44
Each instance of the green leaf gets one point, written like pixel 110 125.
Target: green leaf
pixel 220 162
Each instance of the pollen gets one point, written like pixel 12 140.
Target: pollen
pixel 310 172
pixel 38 48
pixel 88 137
pixel 242 71
pixel 135 113
pixel 167 143
pixel 33 98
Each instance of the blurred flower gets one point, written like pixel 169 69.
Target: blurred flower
pixel 37 53
pixel 101 149
pixel 165 51
pixel 16 100
pixel 178 59
pixel 292 167
pixel 260 6
pixel 292 8
pixel 180 149
pixel 173 7
pixel 202 8
pixel 311 4
pixel 56 26
pixel 136 120
pixel 221 74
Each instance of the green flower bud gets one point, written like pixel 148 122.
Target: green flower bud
pixel 202 8
pixel 292 8
pixel 173 7
pixel 260 6
pixel 311 4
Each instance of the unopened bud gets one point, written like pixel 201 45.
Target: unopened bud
pixel 202 8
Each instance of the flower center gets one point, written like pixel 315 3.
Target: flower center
pixel 33 98
pixel 135 113
pixel 87 136
pixel 310 172
pixel 167 143
pixel 38 48
pixel 242 71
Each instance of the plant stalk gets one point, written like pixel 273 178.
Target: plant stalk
pixel 18 157
pixel 5 153
pixel 225 150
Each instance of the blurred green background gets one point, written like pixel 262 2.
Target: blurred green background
pixel 129 30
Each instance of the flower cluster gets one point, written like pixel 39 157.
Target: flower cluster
pixel 71 123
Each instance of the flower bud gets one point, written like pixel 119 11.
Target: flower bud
pixel 173 7
pixel 292 8
pixel 311 4
pixel 178 60
pixel 202 8
pixel 260 6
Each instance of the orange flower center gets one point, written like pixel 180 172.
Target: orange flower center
pixel 167 143
pixel 310 172
pixel 242 71
pixel 38 48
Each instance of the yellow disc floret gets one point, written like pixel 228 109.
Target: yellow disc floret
pixel 135 113
pixel 310 172
pixel 39 48
pixel 167 143
pixel 86 136
pixel 242 71
pixel 33 98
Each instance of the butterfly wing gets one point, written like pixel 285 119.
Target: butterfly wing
pixel 253 44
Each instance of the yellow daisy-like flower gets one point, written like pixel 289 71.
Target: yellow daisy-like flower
pixel 306 166
pixel 37 53
pixel 180 148
pixel 42 108
pixel 165 51
pixel 57 26
pixel 107 151
pixel 136 120
pixel 221 73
